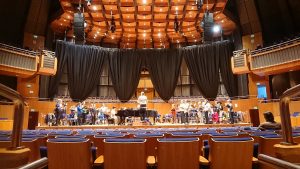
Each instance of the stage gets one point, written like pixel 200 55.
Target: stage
pixel 137 126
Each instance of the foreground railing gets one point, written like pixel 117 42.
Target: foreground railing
pixel 38 164
pixel 18 101
pixel 285 113
pixel 275 162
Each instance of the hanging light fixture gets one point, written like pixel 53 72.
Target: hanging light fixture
pixel 176 24
pixel 199 4
pixel 112 24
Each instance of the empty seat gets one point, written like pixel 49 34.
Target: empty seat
pixel 178 153
pixel 69 153
pixel 231 153
pixel 125 154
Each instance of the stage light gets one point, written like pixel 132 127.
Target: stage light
pixel 216 28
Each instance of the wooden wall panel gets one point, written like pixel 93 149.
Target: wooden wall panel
pixel 7 111
pixel 253 79
pixel 29 88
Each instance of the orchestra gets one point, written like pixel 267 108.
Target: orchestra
pixel 185 112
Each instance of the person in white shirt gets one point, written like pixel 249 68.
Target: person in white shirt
pixel 207 110
pixel 142 101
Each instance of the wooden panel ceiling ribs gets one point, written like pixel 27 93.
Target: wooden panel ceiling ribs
pixel 142 23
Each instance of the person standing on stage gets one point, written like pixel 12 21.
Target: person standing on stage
pixel 173 112
pixel 142 101
pixel 230 111
pixel 207 110
pixel 58 111
pixel 80 112
pixel 93 111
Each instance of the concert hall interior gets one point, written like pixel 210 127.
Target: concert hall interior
pixel 156 84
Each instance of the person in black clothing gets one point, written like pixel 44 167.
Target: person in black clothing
pixel 270 123
pixel 230 111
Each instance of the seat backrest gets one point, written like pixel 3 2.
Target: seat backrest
pixel 266 144
pixel 69 153
pixel 178 153
pixel 231 153
pixel 98 142
pixel 151 143
pixel 124 153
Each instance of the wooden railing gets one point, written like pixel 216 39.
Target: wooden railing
pixel 275 59
pixel 25 63
pixel 38 164
pixel 273 162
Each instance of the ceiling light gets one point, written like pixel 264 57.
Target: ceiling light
pixel 144 2
pixel 216 28
pixel 95 7
pixel 160 9
pixel 176 8
pixel 159 34
pixel 144 35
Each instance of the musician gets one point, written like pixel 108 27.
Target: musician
pixel 80 113
pixel 58 111
pixel 93 111
pixel 230 111
pixel 142 101
pixel 113 113
pixel 173 112
pixel 183 109
pixel 207 110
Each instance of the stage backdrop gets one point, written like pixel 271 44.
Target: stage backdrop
pixel 85 62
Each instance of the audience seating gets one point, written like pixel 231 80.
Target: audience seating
pixel 151 146
pixel 69 153
pixel 178 153
pixel 231 153
pixel 125 153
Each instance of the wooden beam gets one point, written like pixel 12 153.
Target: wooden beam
pixel 136 21
pixel 121 21
pixel 106 22
pixel 151 23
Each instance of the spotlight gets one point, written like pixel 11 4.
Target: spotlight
pixel 216 28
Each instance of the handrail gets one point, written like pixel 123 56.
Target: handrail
pixel 28 52
pixel 18 101
pixel 276 163
pixel 285 114
pixel 41 163
pixel 270 48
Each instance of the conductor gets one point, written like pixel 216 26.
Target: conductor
pixel 142 101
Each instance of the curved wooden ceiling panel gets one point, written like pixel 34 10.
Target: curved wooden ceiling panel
pixel 142 23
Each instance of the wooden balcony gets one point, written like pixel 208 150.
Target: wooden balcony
pixel 24 63
pixel 275 59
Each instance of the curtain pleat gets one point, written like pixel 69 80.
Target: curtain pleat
pixel 125 67
pixel 164 67
pixel 84 69
pixel 60 53
pixel 229 79
pixel 203 64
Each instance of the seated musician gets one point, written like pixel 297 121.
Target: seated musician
pixel 142 101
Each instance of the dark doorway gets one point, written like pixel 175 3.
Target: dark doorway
pixel 33 119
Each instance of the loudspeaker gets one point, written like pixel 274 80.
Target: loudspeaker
pixel 78 27
pixel 254 117
pixel 208 23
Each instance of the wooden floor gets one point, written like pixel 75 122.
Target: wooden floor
pixel 136 126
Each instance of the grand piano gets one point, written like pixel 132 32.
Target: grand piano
pixel 123 113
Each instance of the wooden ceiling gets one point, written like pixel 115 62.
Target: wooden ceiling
pixel 142 23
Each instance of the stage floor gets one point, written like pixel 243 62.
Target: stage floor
pixel 137 126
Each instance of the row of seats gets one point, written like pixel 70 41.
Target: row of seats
pixel 263 141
